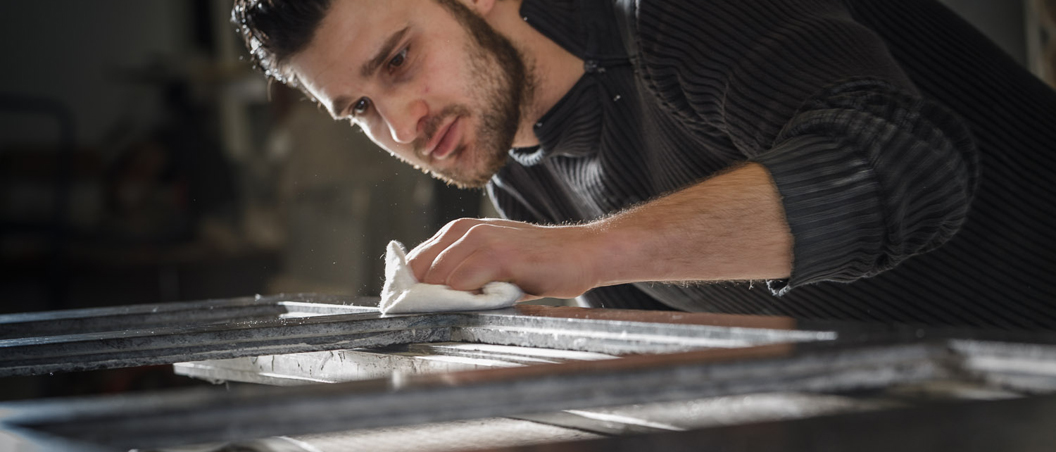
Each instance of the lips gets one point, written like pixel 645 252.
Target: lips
pixel 445 140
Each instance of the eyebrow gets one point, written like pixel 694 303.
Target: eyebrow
pixel 372 66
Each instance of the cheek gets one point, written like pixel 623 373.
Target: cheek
pixel 378 134
pixel 371 129
pixel 447 77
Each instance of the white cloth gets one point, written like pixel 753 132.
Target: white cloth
pixel 403 293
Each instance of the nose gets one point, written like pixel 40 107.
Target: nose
pixel 404 117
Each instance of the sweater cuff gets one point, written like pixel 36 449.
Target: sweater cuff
pixel 833 209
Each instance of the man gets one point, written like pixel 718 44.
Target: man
pixel 654 158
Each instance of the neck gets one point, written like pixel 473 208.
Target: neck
pixel 552 69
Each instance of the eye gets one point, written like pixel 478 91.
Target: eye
pixel 361 106
pixel 398 59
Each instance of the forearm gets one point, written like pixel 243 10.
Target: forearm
pixel 729 227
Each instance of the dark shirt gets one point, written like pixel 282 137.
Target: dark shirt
pixel 913 157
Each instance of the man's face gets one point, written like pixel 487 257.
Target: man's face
pixel 429 81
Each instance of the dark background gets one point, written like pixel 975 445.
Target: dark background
pixel 143 160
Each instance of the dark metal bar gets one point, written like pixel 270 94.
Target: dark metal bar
pixel 119 318
pixel 194 416
pixel 179 332
pixel 87 351
pixel 1017 425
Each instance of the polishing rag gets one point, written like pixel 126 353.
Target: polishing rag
pixel 403 293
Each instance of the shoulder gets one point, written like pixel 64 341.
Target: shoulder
pixel 723 32
pixel 699 53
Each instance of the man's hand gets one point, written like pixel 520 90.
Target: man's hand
pixel 728 228
pixel 544 261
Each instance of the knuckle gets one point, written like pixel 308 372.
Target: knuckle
pixel 479 233
pixel 457 229
pixel 446 230
pixel 462 224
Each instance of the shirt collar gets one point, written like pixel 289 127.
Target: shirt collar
pixel 572 127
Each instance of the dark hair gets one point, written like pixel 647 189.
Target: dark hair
pixel 275 30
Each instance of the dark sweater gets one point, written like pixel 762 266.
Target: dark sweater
pixel 915 160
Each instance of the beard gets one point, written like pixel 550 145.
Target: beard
pixel 501 86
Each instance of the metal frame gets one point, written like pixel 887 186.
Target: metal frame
pixel 200 416
pixel 673 357
pixel 78 340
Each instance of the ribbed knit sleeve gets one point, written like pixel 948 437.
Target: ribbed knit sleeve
pixel 870 176
pixel 869 172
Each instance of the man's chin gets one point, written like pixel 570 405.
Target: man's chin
pixel 467 181
pixel 477 175
pixel 460 181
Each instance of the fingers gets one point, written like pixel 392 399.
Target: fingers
pixel 441 250
pixel 475 259
pixel 422 256
pixel 470 263
pixel 469 253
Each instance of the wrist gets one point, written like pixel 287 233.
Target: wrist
pixel 614 252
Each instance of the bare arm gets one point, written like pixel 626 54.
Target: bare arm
pixel 729 227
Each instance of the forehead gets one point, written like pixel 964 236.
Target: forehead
pixel 348 36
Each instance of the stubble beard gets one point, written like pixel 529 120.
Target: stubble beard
pixel 502 85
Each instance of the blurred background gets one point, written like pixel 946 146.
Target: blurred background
pixel 142 160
